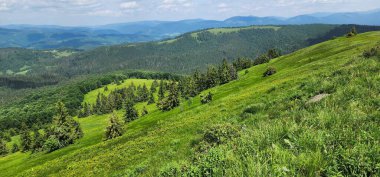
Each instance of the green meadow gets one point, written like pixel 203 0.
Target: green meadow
pixel 280 132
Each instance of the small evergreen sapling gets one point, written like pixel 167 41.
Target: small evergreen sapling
pixel 270 71
pixel 130 112
pixel 115 127
pixel 206 98
pixel 3 147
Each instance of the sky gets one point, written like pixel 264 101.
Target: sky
pixel 98 12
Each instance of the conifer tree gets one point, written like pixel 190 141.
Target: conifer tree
pixel 130 112
pixel 161 90
pixel 145 92
pixel 64 130
pixel 224 72
pixel 153 87
pixel 172 100
pixel 25 138
pixel 130 93
pixel 38 141
pixel 15 148
pixel 212 78
pixel 144 111
pixel 233 73
pixel 192 87
pixel 151 98
pixel 3 148
pixel 115 127
pixel 118 101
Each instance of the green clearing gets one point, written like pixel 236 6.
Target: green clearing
pixel 91 96
pixel 217 31
pixel 284 136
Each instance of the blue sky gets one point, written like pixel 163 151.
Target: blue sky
pixel 95 12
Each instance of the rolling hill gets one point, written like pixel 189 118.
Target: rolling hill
pixel 318 115
pixel 59 37
pixel 196 50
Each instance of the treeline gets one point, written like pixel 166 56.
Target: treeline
pixel 117 98
pixel 22 82
pixel 37 109
pixel 169 93
pixel 62 132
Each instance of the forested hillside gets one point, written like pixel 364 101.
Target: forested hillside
pixel 183 54
pixel 24 70
pixel 313 112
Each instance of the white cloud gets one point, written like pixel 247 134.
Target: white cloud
pixel 129 5
pixel 223 7
pixel 105 13
pixel 175 5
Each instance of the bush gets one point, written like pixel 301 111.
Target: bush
pixel 216 135
pixel 3 148
pixel 207 98
pixel 15 148
pixel 270 71
pixel 372 52
pixel 254 108
pixel 51 144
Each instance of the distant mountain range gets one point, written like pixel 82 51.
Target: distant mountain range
pixel 54 37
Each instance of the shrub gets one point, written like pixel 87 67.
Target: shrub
pixel 216 135
pixel 207 98
pixel 3 147
pixel 254 108
pixel 270 71
pixel 15 148
pixel 51 144
pixel 372 52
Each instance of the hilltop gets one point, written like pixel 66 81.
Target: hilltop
pixel 254 126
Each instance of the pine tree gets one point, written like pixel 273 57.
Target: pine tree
pixel 145 93
pixel 130 112
pixel 151 98
pixel 98 105
pixel 197 80
pixel 144 111
pixel 224 72
pixel 3 147
pixel 153 86
pixel 115 127
pixel 233 73
pixel 25 138
pixel 64 130
pixel 192 87
pixel 38 141
pixel 111 103
pixel 172 100
pixel 212 78
pixel 87 109
pixel 273 53
pixel 130 93
pixel 161 90
pixel 118 101
pixel 15 148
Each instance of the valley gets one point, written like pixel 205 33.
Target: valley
pixel 254 126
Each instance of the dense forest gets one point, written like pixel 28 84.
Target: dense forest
pixel 182 54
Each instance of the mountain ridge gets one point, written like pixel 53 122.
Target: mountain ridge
pixel 142 31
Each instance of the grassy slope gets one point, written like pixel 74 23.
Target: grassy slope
pixel 160 138
pixel 91 97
